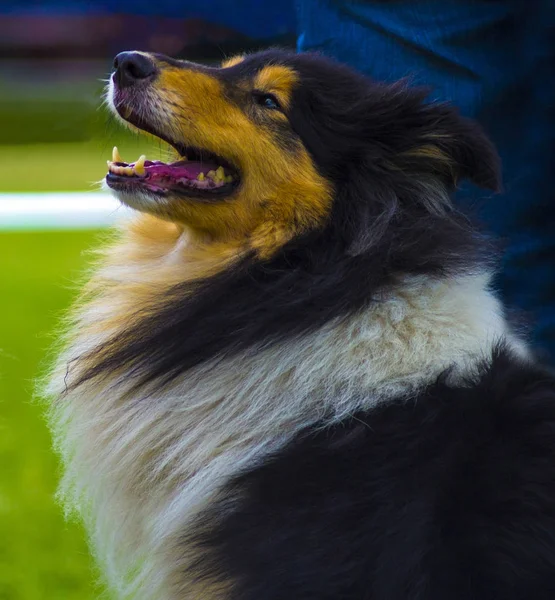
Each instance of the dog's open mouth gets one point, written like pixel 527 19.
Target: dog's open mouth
pixel 197 172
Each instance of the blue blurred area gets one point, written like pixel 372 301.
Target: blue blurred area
pixel 255 19
pixel 495 60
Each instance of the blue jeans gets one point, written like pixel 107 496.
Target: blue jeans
pixel 493 59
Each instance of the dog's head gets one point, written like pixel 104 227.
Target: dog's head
pixel 269 145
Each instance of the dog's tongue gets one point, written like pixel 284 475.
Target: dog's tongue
pixel 179 170
pixel 204 173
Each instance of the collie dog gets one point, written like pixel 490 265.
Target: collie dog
pixel 288 377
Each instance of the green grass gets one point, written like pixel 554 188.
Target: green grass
pixel 41 556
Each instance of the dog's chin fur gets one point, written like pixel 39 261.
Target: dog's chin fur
pixel 193 361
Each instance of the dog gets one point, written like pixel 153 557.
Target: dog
pixel 288 376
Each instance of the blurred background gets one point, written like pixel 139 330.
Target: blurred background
pixel 55 139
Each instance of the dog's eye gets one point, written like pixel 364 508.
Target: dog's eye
pixel 267 101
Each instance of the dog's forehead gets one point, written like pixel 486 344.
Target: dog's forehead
pixel 311 71
pixel 263 69
pixel 251 66
pixel 260 70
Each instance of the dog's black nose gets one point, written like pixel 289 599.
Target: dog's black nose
pixel 132 67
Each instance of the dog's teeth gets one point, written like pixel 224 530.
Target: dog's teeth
pixel 139 166
pixel 229 179
pixel 220 174
pixel 212 175
pixel 116 156
pixel 200 176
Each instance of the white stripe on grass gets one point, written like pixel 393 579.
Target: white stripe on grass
pixel 58 210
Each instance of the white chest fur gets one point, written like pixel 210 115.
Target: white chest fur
pixel 139 468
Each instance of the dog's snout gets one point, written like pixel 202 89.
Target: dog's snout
pixel 132 67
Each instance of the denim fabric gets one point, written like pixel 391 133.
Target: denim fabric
pixel 495 60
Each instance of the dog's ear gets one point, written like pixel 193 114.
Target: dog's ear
pixel 453 147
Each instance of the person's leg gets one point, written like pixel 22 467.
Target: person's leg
pixel 492 59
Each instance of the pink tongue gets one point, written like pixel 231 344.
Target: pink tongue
pixel 189 170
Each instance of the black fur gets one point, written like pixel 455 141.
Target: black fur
pixel 447 496
pixel 388 220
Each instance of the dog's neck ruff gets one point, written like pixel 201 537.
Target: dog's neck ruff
pixel 186 440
